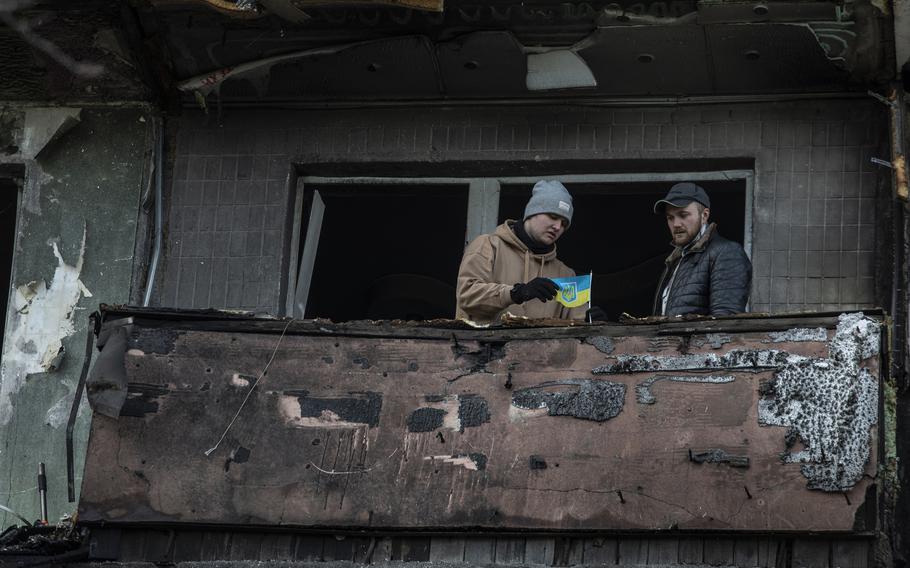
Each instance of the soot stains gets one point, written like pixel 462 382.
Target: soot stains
pixel 142 399
pixel 644 395
pixel 829 405
pixel 153 340
pixel 478 359
pixel 480 460
pixel 426 419
pixel 715 455
pixel 363 408
pixel 238 455
pixel 537 462
pixel 473 411
pixel 585 399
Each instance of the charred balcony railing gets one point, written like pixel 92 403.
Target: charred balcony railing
pixel 753 425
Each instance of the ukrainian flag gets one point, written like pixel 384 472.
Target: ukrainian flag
pixel 574 291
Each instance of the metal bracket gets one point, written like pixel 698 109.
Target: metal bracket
pixel 881 162
pixel 884 100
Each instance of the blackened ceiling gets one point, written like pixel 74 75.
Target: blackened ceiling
pixel 266 53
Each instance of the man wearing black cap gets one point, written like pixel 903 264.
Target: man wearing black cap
pixel 705 274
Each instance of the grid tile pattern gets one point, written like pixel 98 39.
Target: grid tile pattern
pixel 814 215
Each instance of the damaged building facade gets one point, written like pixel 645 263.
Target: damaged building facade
pixel 329 161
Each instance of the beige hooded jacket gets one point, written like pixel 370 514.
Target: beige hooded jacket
pixel 492 264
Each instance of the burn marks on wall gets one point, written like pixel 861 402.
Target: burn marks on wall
pixel 154 340
pixel 453 412
pixel 357 409
pixel 426 420
pixel 587 399
pixel 716 455
pixel 142 399
pixel 830 405
pixel 734 359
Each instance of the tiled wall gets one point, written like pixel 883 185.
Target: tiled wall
pixel 814 235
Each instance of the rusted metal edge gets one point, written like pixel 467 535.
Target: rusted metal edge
pixel 461 531
pixel 214 320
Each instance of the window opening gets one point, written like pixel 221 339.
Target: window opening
pixel 616 235
pixel 389 248
pixel 385 251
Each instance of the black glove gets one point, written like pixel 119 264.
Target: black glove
pixel 595 314
pixel 543 289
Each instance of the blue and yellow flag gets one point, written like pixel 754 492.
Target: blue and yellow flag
pixel 574 291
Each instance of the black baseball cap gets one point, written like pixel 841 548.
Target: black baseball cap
pixel 683 194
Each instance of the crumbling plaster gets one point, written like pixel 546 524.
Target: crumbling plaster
pixel 85 170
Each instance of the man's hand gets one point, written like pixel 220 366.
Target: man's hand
pixel 595 313
pixel 543 289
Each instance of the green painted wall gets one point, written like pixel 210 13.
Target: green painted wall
pixel 88 182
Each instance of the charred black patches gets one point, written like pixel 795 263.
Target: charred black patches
pixel 537 462
pixel 478 359
pixel 472 411
pixel 584 398
pixel 142 399
pixel 425 419
pixel 602 344
pixel 154 340
pixel 238 455
pixel 363 408
pixel 715 455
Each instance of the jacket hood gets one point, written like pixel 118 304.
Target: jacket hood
pixel 509 237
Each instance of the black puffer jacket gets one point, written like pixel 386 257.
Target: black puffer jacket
pixel 714 277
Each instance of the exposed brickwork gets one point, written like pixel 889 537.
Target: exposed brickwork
pixel 814 222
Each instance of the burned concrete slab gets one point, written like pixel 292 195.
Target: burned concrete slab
pixel 553 452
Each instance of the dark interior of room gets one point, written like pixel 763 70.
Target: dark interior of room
pixel 9 194
pixel 387 252
pixel 392 251
pixel 616 235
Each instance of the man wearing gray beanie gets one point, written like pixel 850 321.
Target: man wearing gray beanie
pixel 510 270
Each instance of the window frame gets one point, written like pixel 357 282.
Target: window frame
pixel 483 210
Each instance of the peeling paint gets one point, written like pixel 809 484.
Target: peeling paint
pixel 830 405
pixel 36 330
pixel 644 394
pixel 583 398
pixel 797 334
pixel 472 461
pixel 733 359
pixel 238 380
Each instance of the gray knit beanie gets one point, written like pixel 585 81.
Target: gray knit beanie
pixel 550 197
